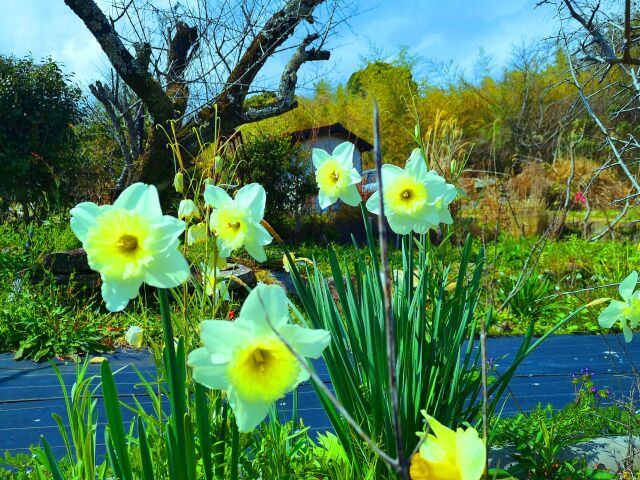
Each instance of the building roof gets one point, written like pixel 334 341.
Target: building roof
pixel 334 130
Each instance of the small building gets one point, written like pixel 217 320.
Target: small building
pixel 327 138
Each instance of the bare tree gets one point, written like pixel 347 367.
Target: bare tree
pixel 601 40
pixel 194 61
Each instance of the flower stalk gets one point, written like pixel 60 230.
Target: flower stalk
pixel 402 466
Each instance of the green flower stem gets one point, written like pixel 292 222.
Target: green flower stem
pixel 235 450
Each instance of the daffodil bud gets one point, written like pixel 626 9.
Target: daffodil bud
pixel 178 182
pixel 188 210
pixel 197 233
pixel 218 163
pixel 134 336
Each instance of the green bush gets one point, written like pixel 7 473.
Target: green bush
pixel 39 108
pixel 277 164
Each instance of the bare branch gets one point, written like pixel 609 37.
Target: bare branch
pixel 288 81
pixel 274 33
pixel 141 82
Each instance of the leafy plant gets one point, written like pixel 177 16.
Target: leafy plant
pixel 437 363
pixel 39 107
pixel 529 301
pixel 40 325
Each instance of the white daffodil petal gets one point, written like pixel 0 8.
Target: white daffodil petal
pixel 83 218
pixel 252 197
pixel 627 333
pixel 389 172
pixel 319 156
pixel 216 196
pixel 167 271
pixel 373 204
pixel 351 196
pixel 628 285
pixel 117 292
pixel 248 414
pixel 142 198
pixel 417 165
pixel 206 373
pixel 265 308
pixel 167 231
pixel 344 154
pixel 223 249
pixel 256 251
pixel 400 224
pixel 325 200
pixel 221 337
pixel 306 342
pixel 609 315
pixel 450 194
pixel 354 176
pixel 261 235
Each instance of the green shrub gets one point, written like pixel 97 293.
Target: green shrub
pixel 39 108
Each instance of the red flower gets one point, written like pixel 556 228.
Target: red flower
pixel 232 314
pixel 580 197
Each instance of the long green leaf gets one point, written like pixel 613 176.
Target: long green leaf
pixel 114 418
pixel 54 468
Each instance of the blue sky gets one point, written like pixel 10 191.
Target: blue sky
pixel 440 31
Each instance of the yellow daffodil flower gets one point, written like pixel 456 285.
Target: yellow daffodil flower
pixel 627 311
pixel 336 176
pixel 188 210
pixel 449 455
pixel 131 242
pixel 248 360
pixel 236 222
pixel 414 199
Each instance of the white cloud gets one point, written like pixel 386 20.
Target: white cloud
pixel 44 28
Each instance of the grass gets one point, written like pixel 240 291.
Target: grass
pixel 75 321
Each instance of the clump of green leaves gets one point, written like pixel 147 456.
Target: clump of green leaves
pixel 39 107
pixel 38 322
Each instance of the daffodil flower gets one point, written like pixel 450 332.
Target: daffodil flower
pixel 627 311
pixel 197 233
pixel 213 285
pixel 188 210
pixel 336 176
pixel 248 360
pixel 130 242
pixel 236 222
pixel 134 336
pixel 449 455
pixel 414 199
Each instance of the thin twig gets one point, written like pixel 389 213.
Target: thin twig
pixel 389 323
